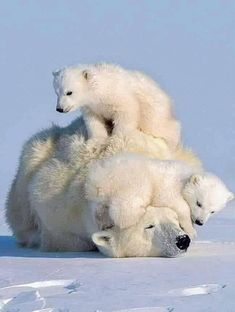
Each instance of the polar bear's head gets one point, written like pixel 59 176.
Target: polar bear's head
pixel 71 88
pixel 157 234
pixel 206 194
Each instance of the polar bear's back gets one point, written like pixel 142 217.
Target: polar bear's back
pixel 146 89
pixel 118 82
pixel 134 94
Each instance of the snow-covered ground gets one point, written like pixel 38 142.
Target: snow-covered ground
pixel 202 280
pixel 189 48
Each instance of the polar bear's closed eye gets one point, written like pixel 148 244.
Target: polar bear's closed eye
pixel 156 234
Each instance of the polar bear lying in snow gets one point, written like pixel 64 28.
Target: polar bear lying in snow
pixel 50 176
pixel 157 233
pixel 127 183
pixel 106 92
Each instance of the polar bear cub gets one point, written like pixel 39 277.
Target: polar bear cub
pixel 126 184
pixel 129 99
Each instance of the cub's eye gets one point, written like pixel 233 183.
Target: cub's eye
pixel 199 204
pixel 150 227
pixel 212 212
pixel 69 93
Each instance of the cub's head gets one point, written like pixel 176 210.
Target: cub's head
pixel 71 88
pixel 157 234
pixel 206 194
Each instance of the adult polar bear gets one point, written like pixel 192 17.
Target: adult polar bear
pixel 34 190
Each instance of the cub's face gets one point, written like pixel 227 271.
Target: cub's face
pixel 158 234
pixel 206 194
pixel 71 88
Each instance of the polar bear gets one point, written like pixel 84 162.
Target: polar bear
pixel 66 222
pixel 36 150
pixel 54 141
pixel 107 92
pixel 57 223
pixel 127 183
pixel 157 233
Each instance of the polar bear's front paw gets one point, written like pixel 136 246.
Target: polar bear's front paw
pixel 192 233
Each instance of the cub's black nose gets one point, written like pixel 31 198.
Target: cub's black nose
pixel 60 110
pixel 198 222
pixel 182 242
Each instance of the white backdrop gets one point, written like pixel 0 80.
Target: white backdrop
pixel 188 48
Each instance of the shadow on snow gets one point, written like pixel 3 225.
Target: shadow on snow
pixel 9 248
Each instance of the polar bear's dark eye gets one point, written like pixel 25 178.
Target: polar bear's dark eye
pixel 149 227
pixel 199 204
pixel 212 212
pixel 69 93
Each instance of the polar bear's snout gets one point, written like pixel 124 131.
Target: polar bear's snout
pixel 183 242
pixel 198 222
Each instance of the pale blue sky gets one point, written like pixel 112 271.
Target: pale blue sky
pixel 188 46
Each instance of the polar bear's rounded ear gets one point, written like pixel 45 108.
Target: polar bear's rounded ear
pixel 85 74
pixel 102 238
pixel 195 179
pixel 230 196
pixel 55 73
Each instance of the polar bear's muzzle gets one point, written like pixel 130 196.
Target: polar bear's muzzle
pixel 60 110
pixel 63 110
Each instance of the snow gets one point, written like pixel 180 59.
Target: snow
pixel 189 49
pixel 202 280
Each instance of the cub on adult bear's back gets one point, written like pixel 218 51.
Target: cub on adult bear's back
pixel 135 181
pixel 130 99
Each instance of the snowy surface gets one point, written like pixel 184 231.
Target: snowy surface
pixel 189 48
pixel 202 280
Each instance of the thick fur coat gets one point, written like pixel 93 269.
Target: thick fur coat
pixel 50 177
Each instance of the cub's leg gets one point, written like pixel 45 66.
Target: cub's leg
pixel 183 211
pixel 96 127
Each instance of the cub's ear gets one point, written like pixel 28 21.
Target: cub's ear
pixel 102 238
pixel 85 74
pixel 55 73
pixel 230 196
pixel 195 179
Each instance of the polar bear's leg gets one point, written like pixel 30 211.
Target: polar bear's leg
pixel 168 129
pixel 20 217
pixel 48 242
pixel 183 211
pixel 125 122
pixel 95 126
pixel 63 242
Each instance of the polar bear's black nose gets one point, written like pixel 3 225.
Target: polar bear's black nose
pixel 198 222
pixel 60 110
pixel 182 242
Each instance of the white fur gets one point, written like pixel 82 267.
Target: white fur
pixel 130 99
pixel 35 152
pixel 206 194
pixel 144 182
pixel 46 204
pixel 155 234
